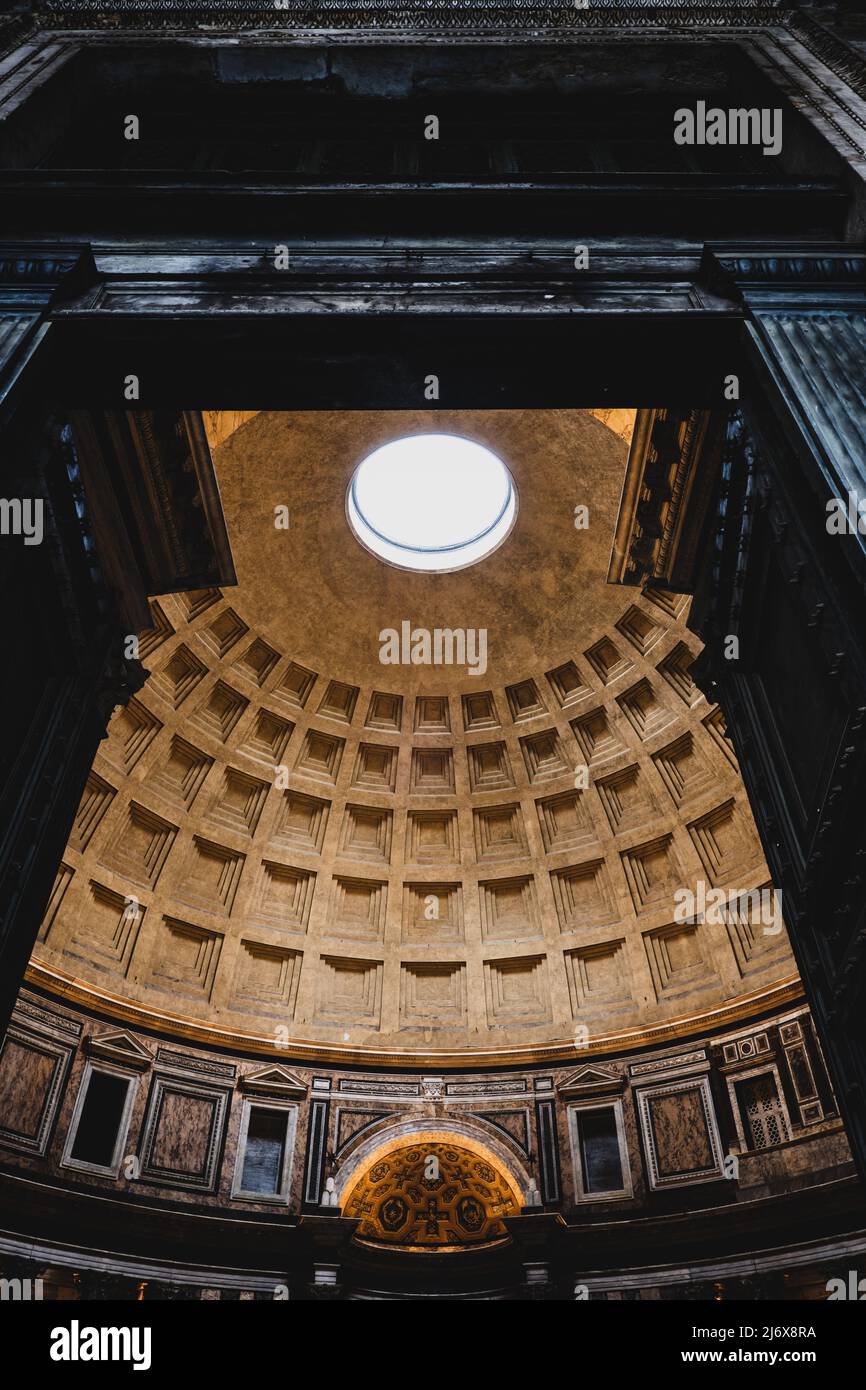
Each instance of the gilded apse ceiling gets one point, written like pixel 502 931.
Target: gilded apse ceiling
pixel 431 1195
pixel 288 842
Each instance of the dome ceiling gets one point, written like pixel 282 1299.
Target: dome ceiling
pixel 542 583
pixel 287 841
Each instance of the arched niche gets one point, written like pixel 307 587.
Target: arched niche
pixel 426 1187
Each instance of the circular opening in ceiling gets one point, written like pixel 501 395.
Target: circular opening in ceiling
pixel 431 502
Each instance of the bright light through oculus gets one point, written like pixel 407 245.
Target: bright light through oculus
pixel 431 502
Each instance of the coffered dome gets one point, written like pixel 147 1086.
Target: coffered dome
pixel 298 835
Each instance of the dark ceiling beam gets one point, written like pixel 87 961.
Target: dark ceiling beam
pixel 672 206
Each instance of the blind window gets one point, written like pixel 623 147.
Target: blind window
pixel 599 1150
pixel 263 1157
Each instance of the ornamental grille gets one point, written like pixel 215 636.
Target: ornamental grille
pixel 763 1118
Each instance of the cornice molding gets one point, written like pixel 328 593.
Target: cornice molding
pixel 14 28
pixel 345 21
pixel 511 12
pixel 32 276
pixel 462 19
pixel 735 272
pixel 79 994
pixel 668 482
pixel 845 62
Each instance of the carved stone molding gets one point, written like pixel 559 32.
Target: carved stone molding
pixel 274 1081
pixel 592 1081
pixel 12 30
pixel 666 494
pixel 457 17
pixel 845 62
pixel 152 490
pixel 39 269
pixel 798 277
pixel 121 1048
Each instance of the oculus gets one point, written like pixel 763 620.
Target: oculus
pixel 432 502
